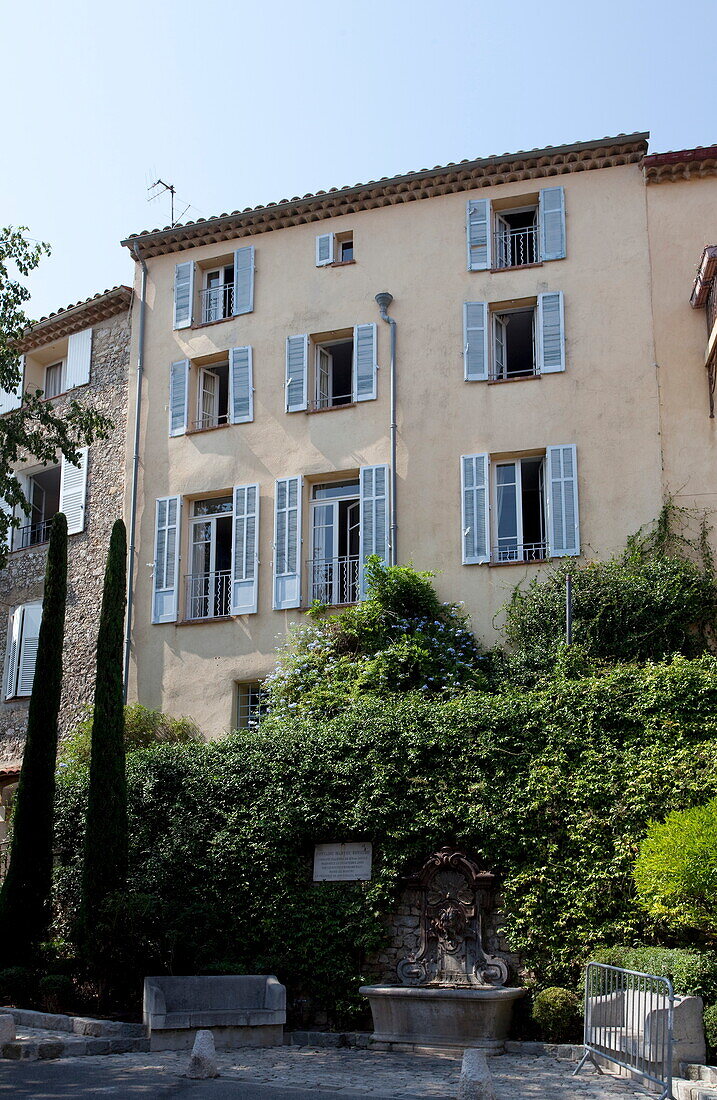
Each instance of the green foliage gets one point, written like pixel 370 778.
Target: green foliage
pixel 26 890
pixel 556 1011
pixel 56 992
pixel 18 986
pixel 36 429
pixel 400 638
pixel 656 598
pixel 142 727
pixel 105 852
pixel 692 973
pixel 553 788
pixel 710 1022
pixel 676 870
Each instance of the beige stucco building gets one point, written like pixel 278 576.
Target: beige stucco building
pixel 549 389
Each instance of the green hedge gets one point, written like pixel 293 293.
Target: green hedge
pixel 692 973
pixel 553 788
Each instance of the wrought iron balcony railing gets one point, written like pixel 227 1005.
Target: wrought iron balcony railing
pixel 217 303
pixel 33 534
pixel 510 549
pixel 209 420
pixel 334 580
pixel 208 595
pixel 516 247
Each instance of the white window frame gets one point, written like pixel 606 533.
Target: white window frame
pixel 518 554
pixel 495 320
pixel 220 286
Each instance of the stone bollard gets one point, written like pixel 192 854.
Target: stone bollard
pixel 203 1062
pixel 475 1082
pixel 7 1028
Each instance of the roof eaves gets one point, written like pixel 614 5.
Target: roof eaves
pixel 76 317
pixel 684 164
pixel 426 183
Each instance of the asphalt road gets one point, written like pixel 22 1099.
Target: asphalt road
pixel 62 1080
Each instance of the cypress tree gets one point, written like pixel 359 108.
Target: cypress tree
pixel 104 868
pixel 25 893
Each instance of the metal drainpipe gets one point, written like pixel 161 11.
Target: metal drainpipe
pixel 135 473
pixel 383 301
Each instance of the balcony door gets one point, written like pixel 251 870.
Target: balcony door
pixel 335 530
pixel 209 583
pixel 520 510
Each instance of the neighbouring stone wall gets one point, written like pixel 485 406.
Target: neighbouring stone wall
pixel 22 579
pixel 403 932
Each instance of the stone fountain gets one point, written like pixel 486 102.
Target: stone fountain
pixel 451 995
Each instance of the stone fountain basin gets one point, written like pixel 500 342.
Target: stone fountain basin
pixel 423 1017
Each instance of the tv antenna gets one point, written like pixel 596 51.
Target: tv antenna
pixel 164 187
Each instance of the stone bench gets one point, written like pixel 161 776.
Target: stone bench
pixel 240 1010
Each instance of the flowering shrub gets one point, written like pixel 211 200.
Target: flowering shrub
pixel 400 638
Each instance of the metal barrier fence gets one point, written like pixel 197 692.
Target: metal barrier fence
pixel 629 1022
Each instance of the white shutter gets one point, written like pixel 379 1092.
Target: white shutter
pixel 183 294
pixel 166 560
pixel 287 543
pixel 475 513
pixel 244 280
pixel 31 619
pixel 73 490
pixel 324 249
pixel 551 216
pixel 14 637
pixel 365 365
pixel 245 541
pixel 475 341
pixel 562 485
pixel 79 353
pixel 551 333
pixel 178 396
pixel 478 234
pixel 9 512
pixel 12 399
pixel 374 519
pixel 241 386
pixel 297 369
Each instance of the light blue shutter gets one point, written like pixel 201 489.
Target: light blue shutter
pixel 324 249
pixel 475 512
pixel 562 485
pixel 478 234
pixel 244 280
pixel 183 294
pixel 166 560
pixel 551 216
pixel 287 543
pixel 551 333
pixel 79 353
pixel 365 365
pixel 245 541
pixel 475 341
pixel 241 386
pixel 178 396
pixel 297 369
pixel 31 620
pixel 73 491
pixel 374 519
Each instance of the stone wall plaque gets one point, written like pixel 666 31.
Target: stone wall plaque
pixel 342 862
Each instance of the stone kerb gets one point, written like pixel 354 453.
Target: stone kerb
pixel 475 1082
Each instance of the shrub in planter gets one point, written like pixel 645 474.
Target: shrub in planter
pixel 556 1011
pixel 710 1022
pixel 56 992
pixel 18 986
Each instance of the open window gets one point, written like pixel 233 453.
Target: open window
pixel 328 370
pixel 55 379
pixel 225 287
pixel 515 237
pixel 42 491
pixel 218 294
pixel 516 231
pixel 334 248
pixel 520 519
pixel 333 373
pixel 335 543
pixel 516 339
pixel 208 593
pixel 212 396
pixel 514 344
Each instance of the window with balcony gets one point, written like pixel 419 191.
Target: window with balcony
pixel 252 705
pixel 335 542
pixel 515 237
pixel 212 396
pixel 516 231
pixel 42 491
pixel 506 341
pixel 520 521
pixel 208 586
pixel 327 370
pixel 218 294
pixel 224 287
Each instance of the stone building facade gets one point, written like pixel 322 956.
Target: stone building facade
pixel 80 353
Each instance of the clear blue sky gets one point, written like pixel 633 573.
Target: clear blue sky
pixel 239 104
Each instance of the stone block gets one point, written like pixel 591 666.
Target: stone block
pixel 203 1062
pixel 7 1028
pixel 475 1082
pixel 50 1049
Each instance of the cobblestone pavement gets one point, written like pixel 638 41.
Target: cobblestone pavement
pixel 303 1071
